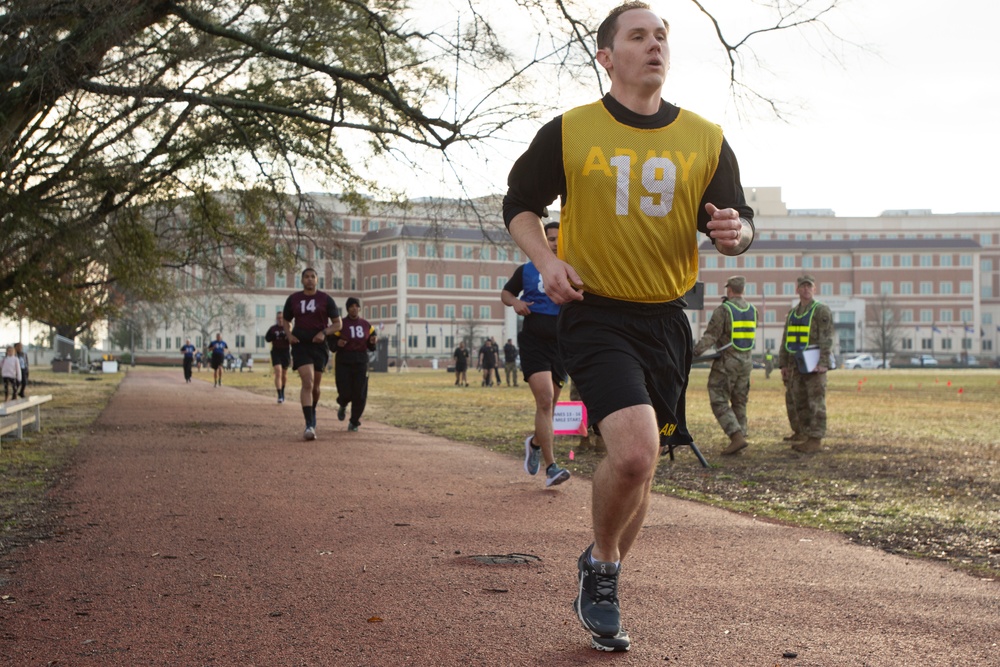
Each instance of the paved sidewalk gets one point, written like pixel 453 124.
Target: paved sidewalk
pixel 201 530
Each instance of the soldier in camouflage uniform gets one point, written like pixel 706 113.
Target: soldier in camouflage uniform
pixel 808 325
pixel 731 331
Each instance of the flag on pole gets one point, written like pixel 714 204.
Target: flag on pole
pixel 935 330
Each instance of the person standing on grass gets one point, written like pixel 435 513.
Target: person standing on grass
pixel 315 317
pixel 510 362
pixel 351 346
pixel 540 363
pixel 808 325
pixel 281 356
pixel 188 350
pixel 218 348
pixel 731 331
pixel 22 359
pixel 10 369
pixel 487 361
pixel 496 356
pixel 638 179
pixel 461 356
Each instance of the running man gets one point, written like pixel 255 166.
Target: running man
pixel 543 371
pixel 188 350
pixel 638 179
pixel 281 357
pixel 352 344
pixel 315 317
pixel 218 349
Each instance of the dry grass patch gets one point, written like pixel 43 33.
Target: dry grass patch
pixel 30 467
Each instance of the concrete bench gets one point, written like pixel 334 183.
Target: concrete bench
pixel 22 412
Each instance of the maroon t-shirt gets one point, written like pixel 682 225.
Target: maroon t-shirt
pixel 356 333
pixel 309 314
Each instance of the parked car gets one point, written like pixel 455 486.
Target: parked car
pixel 969 360
pixel 864 362
pixel 924 360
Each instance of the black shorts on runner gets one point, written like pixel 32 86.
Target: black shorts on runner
pixel 539 348
pixel 218 360
pixel 281 358
pixel 621 354
pixel 304 354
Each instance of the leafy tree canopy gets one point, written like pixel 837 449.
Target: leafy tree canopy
pixel 141 138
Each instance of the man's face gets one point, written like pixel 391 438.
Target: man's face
pixel 806 291
pixel 640 55
pixel 353 310
pixel 218 336
pixel 309 281
pixel 552 236
pixel 279 318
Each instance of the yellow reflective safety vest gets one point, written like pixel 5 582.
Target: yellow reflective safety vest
pixel 797 329
pixel 744 325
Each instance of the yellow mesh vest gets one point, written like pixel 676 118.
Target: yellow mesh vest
pixel 629 223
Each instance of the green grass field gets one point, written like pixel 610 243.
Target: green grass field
pixel 910 463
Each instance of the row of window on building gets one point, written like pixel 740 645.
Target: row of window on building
pixel 430 281
pixel 865 288
pixel 842 261
pixel 985 239
pixel 448 251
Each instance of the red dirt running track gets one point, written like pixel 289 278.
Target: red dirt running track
pixel 199 529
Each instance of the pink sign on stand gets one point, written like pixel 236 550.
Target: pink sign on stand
pixel 570 418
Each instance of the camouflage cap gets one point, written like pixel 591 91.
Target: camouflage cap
pixel 802 280
pixel 737 283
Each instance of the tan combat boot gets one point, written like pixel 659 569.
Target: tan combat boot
pixel 736 443
pixel 794 437
pixel 810 446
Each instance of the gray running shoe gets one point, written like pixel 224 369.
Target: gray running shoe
pixel 532 456
pixel 617 644
pixel 555 475
pixel 352 427
pixel 310 433
pixel 596 603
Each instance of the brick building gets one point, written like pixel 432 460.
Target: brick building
pixel 430 273
pixel 936 276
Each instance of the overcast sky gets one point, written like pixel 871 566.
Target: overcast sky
pixel 906 122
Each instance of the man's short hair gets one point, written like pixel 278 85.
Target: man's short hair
pixel 552 225
pixel 609 26
pixel 308 269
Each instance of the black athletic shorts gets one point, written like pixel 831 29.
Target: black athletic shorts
pixel 281 358
pixel 621 354
pixel 316 354
pixel 539 348
pixel 218 360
